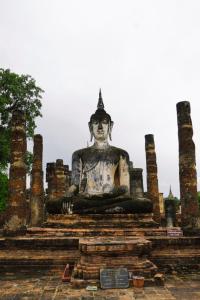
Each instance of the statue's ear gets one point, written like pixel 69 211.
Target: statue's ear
pixel 110 129
pixel 91 132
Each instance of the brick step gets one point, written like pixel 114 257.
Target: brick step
pixel 161 242
pixel 38 257
pixel 90 232
pixel 176 253
pixel 176 260
pixel 58 240
pixel 39 242
pixel 99 220
pixel 96 226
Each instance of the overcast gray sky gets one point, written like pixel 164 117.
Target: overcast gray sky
pixel 145 55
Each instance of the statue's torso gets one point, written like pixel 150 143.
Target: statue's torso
pixel 97 171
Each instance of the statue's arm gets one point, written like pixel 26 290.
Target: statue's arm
pixel 76 173
pixel 124 177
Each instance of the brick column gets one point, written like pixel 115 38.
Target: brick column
pixel 60 173
pixel 136 182
pixel 37 189
pixel 152 178
pixel 58 178
pixel 67 178
pixel 51 181
pixel 17 206
pixel 187 167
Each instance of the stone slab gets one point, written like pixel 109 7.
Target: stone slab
pixel 114 278
pixel 115 245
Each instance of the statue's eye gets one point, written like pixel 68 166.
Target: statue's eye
pixel 105 121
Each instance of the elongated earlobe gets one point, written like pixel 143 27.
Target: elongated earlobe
pixel 91 134
pixel 110 127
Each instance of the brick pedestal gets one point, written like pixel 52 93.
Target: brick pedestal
pixel 112 253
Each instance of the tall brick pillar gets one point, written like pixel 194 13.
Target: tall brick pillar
pixel 187 167
pixel 37 188
pixel 152 178
pixel 17 206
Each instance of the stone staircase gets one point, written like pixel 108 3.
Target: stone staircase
pixel 180 254
pixel 57 242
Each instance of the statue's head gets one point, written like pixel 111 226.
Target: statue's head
pixel 100 124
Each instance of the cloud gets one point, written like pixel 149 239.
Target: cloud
pixel 143 54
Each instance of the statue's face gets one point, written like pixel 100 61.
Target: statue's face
pixel 100 129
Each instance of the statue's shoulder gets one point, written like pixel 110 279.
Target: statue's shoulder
pixel 79 152
pixel 120 152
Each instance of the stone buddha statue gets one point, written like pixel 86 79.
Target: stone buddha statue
pixel 100 174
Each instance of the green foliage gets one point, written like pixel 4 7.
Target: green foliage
pixel 19 92
pixel 198 193
pixel 29 161
pixel 177 201
pixel 3 190
pixel 4 147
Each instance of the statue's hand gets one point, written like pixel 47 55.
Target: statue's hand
pixel 71 191
pixel 67 202
pixel 67 206
pixel 123 189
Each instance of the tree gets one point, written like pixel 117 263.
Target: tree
pixel 17 92
pixel 3 190
pixel 198 194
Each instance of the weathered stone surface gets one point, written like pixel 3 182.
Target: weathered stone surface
pixel 170 212
pixel 187 167
pixel 37 190
pixel 34 284
pixel 176 253
pixel 100 181
pixel 58 179
pixel 161 203
pixel 17 210
pixel 136 182
pixel 101 223
pixel 152 178
pixel 113 252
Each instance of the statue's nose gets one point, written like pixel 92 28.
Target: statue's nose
pixel 100 125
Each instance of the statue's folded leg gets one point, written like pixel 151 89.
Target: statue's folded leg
pixel 121 205
pixel 54 206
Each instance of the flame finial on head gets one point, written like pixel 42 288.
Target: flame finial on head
pixel 99 116
pixel 100 104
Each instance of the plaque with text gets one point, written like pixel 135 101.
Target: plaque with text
pixel 174 232
pixel 114 278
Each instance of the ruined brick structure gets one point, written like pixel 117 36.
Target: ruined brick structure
pixel 136 182
pixel 152 177
pixel 58 179
pixel 67 173
pixel 187 167
pixel 17 207
pixel 37 189
pixel 161 203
